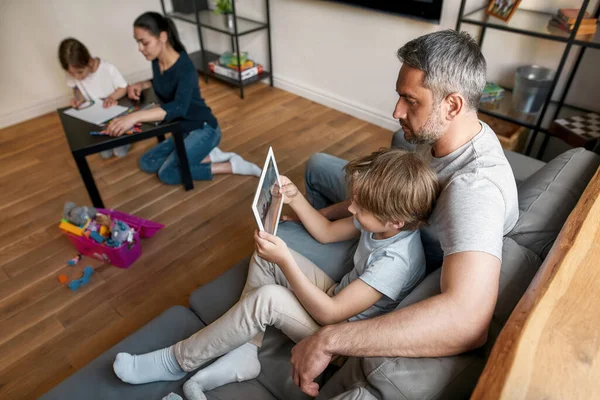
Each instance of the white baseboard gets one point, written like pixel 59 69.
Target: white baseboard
pixel 359 111
pixel 46 106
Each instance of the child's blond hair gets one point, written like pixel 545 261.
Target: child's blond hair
pixel 394 185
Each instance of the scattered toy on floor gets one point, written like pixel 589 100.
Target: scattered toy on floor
pixel 77 283
pixel 62 278
pixel 75 260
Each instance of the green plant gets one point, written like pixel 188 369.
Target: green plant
pixel 223 7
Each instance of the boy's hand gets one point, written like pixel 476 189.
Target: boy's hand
pixel 75 103
pixel 288 189
pixel 109 102
pixel 119 126
pixel 134 91
pixel 271 248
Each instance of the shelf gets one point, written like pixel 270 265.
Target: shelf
pixel 196 58
pixel 210 20
pixel 526 22
pixel 505 112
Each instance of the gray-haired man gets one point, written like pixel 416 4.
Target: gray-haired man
pixel 439 87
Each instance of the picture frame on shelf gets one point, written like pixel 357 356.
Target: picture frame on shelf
pixel 503 9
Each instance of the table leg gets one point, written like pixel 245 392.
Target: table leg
pixel 88 181
pixel 160 138
pixel 186 175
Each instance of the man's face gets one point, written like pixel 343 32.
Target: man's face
pixel 419 117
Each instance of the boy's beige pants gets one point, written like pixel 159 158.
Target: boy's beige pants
pixel 266 300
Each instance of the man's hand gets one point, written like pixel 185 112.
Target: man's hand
pixel 119 126
pixel 309 360
pixel 109 102
pixel 271 248
pixel 134 91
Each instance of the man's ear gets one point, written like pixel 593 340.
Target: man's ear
pixel 454 104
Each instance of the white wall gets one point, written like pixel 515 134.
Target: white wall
pixel 341 56
pixel 32 81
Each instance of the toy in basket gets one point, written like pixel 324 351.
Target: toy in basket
pixel 108 235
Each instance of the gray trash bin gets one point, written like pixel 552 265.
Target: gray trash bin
pixel 532 86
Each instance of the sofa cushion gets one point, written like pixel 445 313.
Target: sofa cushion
pixel 248 390
pixel 97 381
pixel 276 369
pixel 355 394
pixel 213 299
pixel 548 196
pixel 522 166
pixel 349 377
pixel 451 377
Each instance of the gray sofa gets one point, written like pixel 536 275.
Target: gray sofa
pixel 547 194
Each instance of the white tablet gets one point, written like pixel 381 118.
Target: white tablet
pixel 266 206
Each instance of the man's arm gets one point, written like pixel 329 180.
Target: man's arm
pixel 450 323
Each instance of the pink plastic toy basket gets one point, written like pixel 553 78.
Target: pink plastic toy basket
pixel 126 254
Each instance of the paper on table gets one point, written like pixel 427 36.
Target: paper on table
pixel 96 114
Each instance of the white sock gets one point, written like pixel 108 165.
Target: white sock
pixel 239 166
pixel 238 365
pixel 160 365
pixel 217 155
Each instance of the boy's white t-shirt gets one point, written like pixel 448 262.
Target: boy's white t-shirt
pixel 99 84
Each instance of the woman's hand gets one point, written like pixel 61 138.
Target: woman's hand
pixel 109 102
pixel 119 126
pixel 288 189
pixel 271 248
pixel 134 91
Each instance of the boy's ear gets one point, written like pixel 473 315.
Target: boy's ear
pixel 397 225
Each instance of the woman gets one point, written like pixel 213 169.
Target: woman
pixel 175 82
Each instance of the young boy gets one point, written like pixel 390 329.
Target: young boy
pixel 393 192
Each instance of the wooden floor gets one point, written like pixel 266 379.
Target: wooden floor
pixel 47 332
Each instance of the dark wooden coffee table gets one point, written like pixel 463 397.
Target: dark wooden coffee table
pixel 83 144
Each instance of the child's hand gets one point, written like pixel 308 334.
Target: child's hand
pixel 109 102
pixel 119 126
pixel 288 189
pixel 75 103
pixel 271 248
pixel 134 91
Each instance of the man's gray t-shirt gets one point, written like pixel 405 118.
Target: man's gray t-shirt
pixel 478 203
pixel 392 266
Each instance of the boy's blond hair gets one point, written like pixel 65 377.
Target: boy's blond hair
pixel 394 185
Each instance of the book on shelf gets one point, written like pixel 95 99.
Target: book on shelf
pixel 583 29
pixel 223 70
pixel 569 16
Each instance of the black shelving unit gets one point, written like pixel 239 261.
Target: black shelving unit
pixel 535 24
pixel 207 19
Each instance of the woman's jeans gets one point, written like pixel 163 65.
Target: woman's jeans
pixel 163 159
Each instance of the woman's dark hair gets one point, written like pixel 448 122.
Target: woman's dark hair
pixel 72 52
pixel 155 24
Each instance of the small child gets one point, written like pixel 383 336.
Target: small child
pixel 92 79
pixel 392 193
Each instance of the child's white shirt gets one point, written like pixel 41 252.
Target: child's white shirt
pixel 99 84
